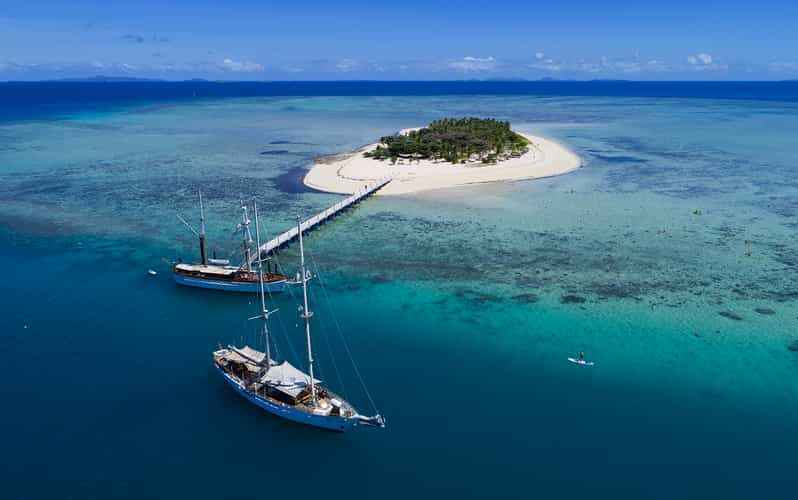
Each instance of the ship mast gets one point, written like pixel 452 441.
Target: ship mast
pixel 264 312
pixel 306 314
pixel 203 251
pixel 246 235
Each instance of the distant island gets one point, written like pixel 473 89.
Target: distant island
pixel 107 79
pixel 452 140
pixel 128 79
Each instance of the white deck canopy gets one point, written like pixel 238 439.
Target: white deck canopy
pixel 199 268
pixel 287 378
pixel 246 356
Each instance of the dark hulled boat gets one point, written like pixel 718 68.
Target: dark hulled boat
pixel 216 274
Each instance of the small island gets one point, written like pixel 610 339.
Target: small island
pixel 453 140
pixel 447 153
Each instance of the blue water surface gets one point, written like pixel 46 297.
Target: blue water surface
pixel 25 99
pixel 670 257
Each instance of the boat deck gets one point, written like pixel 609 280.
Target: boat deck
pixel 227 273
pixel 248 369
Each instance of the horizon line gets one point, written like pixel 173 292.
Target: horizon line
pixel 123 79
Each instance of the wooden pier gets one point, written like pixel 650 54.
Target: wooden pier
pixel 285 238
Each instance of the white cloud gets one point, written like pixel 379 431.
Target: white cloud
pixel 705 62
pixel 627 66
pixel 241 66
pixel 539 55
pixel 346 65
pixel 470 63
pixel 784 67
pixel 546 66
pixel 657 66
pixel 603 66
pixel 699 59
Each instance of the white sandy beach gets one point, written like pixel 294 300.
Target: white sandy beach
pixel 348 173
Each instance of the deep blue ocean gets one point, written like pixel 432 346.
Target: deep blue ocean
pixel 670 257
pixel 20 100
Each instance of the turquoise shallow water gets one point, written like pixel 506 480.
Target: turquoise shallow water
pixel 670 258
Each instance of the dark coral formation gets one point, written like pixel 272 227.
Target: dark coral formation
pixel 731 315
pixel 526 298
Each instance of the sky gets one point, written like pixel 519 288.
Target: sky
pixel 399 40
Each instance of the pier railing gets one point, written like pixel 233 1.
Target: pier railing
pixel 290 235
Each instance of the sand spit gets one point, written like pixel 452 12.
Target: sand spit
pixel 346 173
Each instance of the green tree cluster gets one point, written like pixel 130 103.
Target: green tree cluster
pixel 453 140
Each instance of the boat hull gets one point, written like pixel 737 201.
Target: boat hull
pixel 332 423
pixel 230 286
